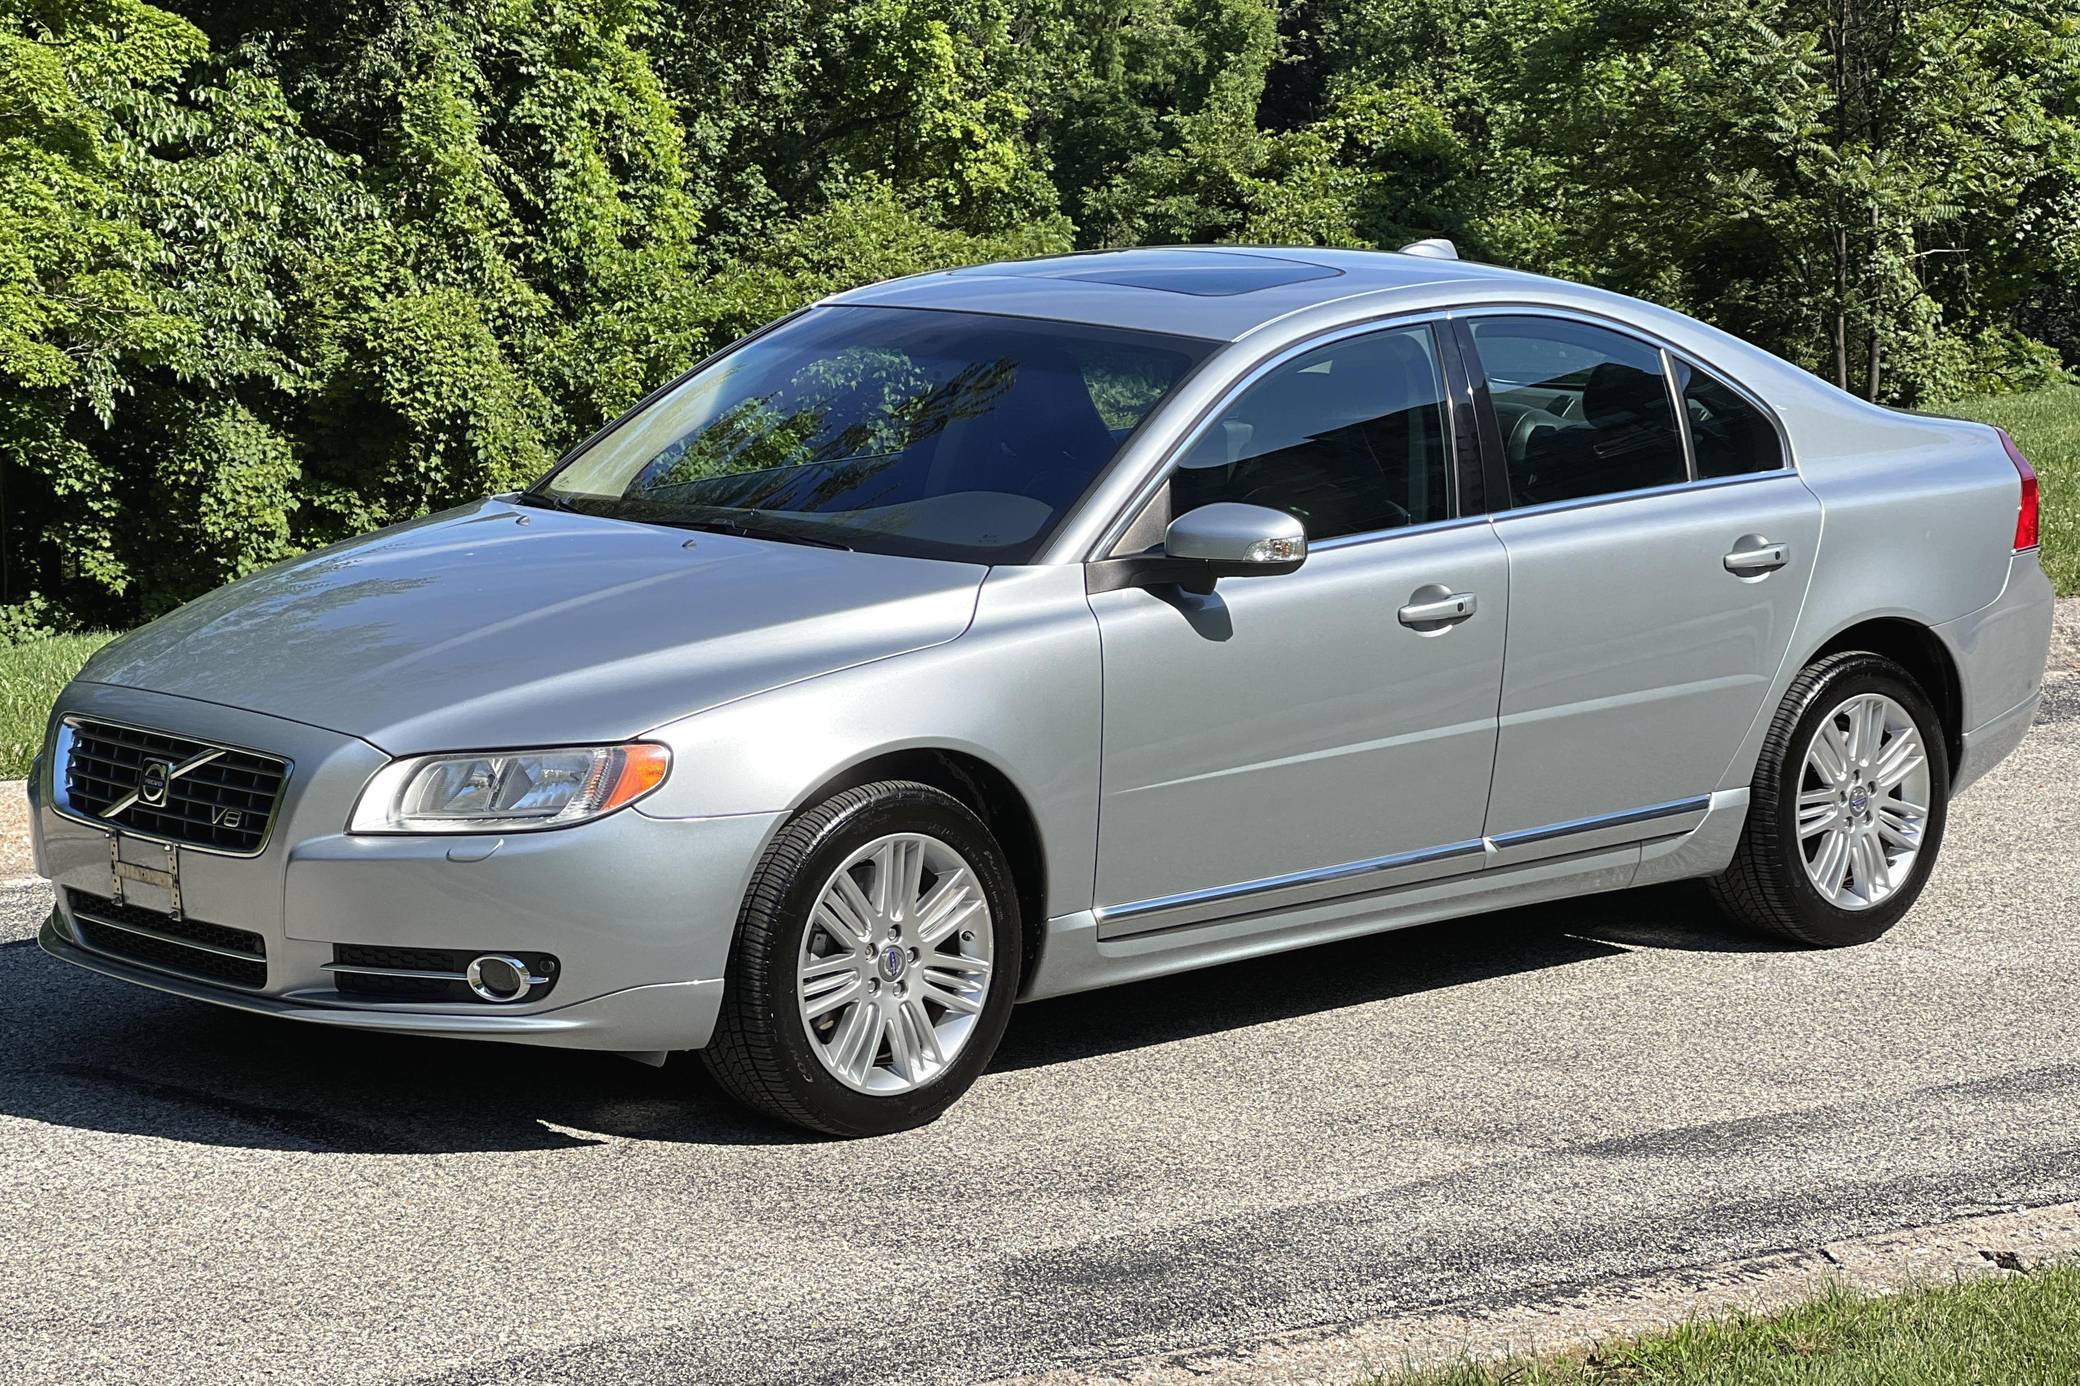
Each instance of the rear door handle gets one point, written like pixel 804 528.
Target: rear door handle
pixel 1752 554
pixel 1438 611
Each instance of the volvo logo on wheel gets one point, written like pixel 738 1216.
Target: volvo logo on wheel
pixel 153 781
pixel 893 961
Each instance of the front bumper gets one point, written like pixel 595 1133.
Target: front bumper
pixel 638 910
pixel 643 1019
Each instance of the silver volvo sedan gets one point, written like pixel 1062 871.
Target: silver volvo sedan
pixel 1023 629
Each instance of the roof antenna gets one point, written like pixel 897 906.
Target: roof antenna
pixel 1436 248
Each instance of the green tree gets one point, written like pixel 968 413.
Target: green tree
pixel 277 271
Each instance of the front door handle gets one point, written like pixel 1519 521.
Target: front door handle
pixel 1754 555
pixel 1431 609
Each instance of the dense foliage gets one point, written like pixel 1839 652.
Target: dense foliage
pixel 272 273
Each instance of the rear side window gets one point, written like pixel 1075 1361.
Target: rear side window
pixel 1349 438
pixel 1730 436
pixel 1583 411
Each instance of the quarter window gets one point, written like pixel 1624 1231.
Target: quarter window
pixel 1730 436
pixel 1583 411
pixel 1348 438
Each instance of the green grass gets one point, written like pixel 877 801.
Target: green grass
pixel 2014 1330
pixel 30 676
pixel 2046 425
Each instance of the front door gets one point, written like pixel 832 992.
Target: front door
pixel 1331 731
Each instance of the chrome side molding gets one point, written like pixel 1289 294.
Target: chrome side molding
pixel 1348 871
pixel 1698 804
pixel 1218 903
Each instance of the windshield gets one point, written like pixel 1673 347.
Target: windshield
pixel 894 430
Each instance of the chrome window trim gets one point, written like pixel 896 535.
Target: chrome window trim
pixel 1496 508
pixel 1501 517
pixel 62 806
pixel 1123 519
pixel 1357 871
pixel 1670 351
pixel 1376 536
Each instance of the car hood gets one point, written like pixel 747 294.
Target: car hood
pixel 494 626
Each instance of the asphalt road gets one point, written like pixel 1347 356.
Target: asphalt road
pixel 1473 1112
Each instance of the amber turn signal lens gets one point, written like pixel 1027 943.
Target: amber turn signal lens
pixel 643 768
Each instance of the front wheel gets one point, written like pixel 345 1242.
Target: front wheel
pixel 1847 809
pixel 875 964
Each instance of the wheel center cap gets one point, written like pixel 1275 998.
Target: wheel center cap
pixel 894 962
pixel 1859 799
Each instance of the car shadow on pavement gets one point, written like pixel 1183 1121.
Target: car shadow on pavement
pixel 92 1053
pixel 1375 968
pixel 89 1052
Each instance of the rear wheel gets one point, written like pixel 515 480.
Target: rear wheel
pixel 1847 810
pixel 875 964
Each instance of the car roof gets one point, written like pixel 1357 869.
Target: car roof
pixel 1216 292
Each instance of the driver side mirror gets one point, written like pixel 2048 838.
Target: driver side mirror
pixel 1229 539
pixel 1202 546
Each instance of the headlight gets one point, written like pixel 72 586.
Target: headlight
pixel 508 791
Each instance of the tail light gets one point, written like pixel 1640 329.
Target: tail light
pixel 2026 517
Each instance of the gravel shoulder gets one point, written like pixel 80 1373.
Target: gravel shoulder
pixel 1513 1110
pixel 15 863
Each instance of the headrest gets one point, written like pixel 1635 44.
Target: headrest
pixel 1618 396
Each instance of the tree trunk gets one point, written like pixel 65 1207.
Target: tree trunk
pixel 1839 17
pixel 1874 295
pixel 1841 309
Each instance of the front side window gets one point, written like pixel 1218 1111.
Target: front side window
pixel 964 436
pixel 1582 410
pixel 1349 438
pixel 1730 436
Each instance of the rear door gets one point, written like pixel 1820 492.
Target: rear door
pixel 1658 557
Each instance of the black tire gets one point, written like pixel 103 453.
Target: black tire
pixel 1766 887
pixel 760 1053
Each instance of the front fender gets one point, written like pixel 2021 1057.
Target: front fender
pixel 1019 691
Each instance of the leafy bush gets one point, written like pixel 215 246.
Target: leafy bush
pixel 273 273
pixel 27 620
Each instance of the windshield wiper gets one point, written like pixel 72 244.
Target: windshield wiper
pixel 744 531
pixel 542 500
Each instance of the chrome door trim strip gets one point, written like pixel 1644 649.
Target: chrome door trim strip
pixel 1645 814
pixel 1358 873
pixel 1473 847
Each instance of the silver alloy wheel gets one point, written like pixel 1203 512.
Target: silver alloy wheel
pixel 895 965
pixel 1863 800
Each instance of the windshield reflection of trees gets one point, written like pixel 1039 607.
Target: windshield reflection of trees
pixel 821 441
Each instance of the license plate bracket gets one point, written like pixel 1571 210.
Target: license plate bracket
pixel 166 878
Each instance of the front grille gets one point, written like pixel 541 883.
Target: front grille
pixel 449 961
pixel 213 796
pixel 190 947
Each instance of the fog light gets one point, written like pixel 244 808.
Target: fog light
pixel 496 977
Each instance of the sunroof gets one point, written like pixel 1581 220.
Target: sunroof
pixel 1206 274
